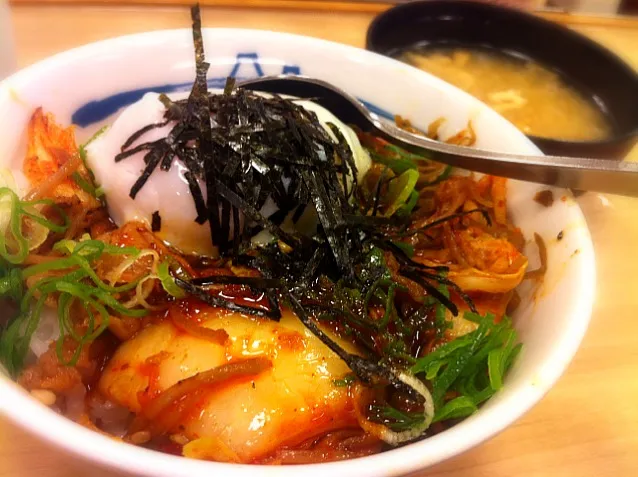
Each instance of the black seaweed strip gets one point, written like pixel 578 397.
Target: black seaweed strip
pixel 136 135
pixel 298 213
pixel 226 209
pixel 273 301
pixel 253 282
pixel 328 221
pixel 171 139
pixel 369 221
pixel 220 302
pixel 377 191
pixel 348 158
pixel 279 194
pixel 445 281
pixel 174 109
pixel 229 86
pixel 167 161
pixel 367 371
pixel 189 156
pixel 344 313
pixel 237 232
pixel 432 290
pixel 211 202
pixel 141 147
pixel 278 217
pixel 310 273
pixel 198 198
pixel 155 157
pixel 447 218
pixel 403 259
pixel 254 215
pixel 231 166
pixel 198 109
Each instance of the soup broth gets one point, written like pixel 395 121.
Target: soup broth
pixel 532 97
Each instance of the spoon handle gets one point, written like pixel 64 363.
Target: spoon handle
pixel 599 175
pixel 615 177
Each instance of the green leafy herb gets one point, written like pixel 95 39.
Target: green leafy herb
pixel 472 366
pixel 396 420
pixel 456 363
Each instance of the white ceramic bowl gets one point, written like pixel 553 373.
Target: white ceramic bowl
pixel 89 83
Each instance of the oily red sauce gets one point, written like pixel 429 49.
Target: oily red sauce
pixel 192 307
pixel 150 369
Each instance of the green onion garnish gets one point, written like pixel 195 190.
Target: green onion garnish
pixel 471 367
pixel 168 282
pixel 79 286
pixel 14 245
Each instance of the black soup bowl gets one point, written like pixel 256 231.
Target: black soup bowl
pixel 582 63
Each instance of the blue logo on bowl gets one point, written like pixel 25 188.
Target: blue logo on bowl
pixel 246 66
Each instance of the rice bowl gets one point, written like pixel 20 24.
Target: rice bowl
pixel 551 327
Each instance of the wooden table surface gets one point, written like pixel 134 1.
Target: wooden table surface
pixel 586 426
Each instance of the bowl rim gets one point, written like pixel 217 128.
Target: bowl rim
pixel 20 408
pixel 529 18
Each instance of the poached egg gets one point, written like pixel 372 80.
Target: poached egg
pixel 167 192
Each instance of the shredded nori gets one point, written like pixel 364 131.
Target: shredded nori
pixel 156 221
pixel 246 154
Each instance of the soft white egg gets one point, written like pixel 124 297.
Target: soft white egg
pixel 167 192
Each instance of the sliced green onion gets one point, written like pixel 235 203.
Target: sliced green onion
pixel 80 285
pixel 11 283
pixel 168 282
pixel 406 247
pixel 398 165
pixel 398 420
pixel 473 366
pixel 459 407
pixel 400 190
pixel 85 185
pixel 415 426
pixel 14 245
pixel 406 209
pixel 440 353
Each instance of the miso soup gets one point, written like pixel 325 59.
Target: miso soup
pixel 538 101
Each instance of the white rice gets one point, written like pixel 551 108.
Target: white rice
pixel 48 330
